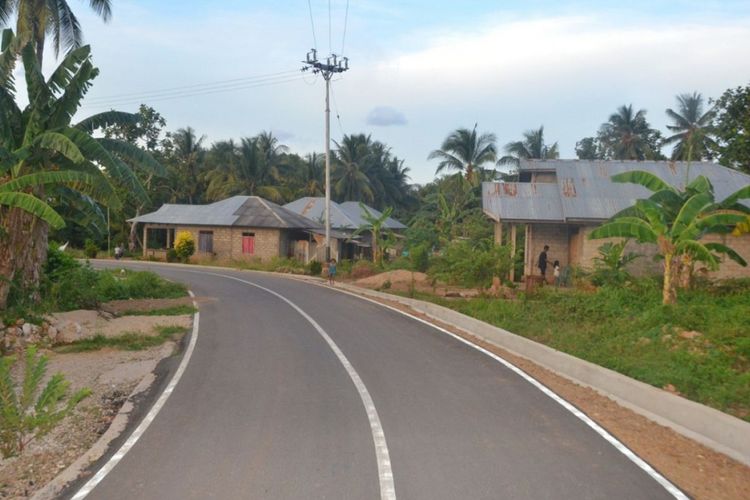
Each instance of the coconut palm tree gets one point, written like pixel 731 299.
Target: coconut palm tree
pixel 314 184
pixel 349 181
pixel 692 128
pixel 676 220
pixel 376 226
pixel 465 151
pixel 188 157
pixel 531 147
pixel 38 18
pixel 41 151
pixel 628 136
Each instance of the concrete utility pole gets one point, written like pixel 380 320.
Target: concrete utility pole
pixel 333 65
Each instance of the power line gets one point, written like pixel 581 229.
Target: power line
pixel 312 24
pixel 346 19
pixel 194 93
pixel 196 87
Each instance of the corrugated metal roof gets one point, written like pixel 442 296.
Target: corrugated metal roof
pixel 522 201
pixel 242 211
pixel 346 215
pixel 585 191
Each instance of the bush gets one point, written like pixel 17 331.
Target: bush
pixel 58 262
pixel 26 413
pixel 90 249
pixel 462 264
pixel 610 264
pixel 75 288
pixel 184 245
pixel 420 257
pixel 172 255
pixel 314 268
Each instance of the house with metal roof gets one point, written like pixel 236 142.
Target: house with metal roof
pixel 240 227
pixel 346 217
pixel 559 202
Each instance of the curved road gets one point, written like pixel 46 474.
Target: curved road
pixel 266 409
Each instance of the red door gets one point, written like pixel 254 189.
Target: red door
pixel 248 244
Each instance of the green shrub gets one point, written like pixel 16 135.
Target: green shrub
pixel 344 267
pixel 26 413
pixel 184 245
pixel 172 255
pixel 58 262
pixel 610 264
pixel 314 268
pixel 74 288
pixel 90 249
pixel 420 257
pixel 463 264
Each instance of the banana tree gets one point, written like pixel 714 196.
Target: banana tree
pixel 676 221
pixel 44 156
pixel 376 226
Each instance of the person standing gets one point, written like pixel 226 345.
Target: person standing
pixel 542 264
pixel 331 271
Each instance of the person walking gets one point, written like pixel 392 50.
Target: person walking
pixel 542 264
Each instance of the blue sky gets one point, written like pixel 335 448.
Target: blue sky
pixel 419 69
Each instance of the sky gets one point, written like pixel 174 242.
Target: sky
pixel 418 69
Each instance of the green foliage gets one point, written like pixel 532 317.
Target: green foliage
pixel 58 262
pixel 362 269
pixel 28 412
pixel 90 249
pixel 126 342
pixel 314 268
pixel 172 255
pixel 626 329
pixel 420 257
pixel 164 311
pixel 184 245
pixel 611 263
pixel 732 128
pixel 462 263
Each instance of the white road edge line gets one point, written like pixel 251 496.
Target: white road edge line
pixel 138 432
pixel 385 474
pixel 638 461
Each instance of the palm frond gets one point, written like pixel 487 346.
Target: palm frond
pixel 33 205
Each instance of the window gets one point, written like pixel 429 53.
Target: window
pixel 248 243
pixel 206 241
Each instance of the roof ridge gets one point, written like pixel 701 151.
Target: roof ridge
pixel 263 202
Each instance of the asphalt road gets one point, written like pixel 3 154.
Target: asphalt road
pixel 266 409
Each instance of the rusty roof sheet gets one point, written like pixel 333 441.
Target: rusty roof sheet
pixel 522 201
pixel 585 191
pixel 241 211
pixel 346 215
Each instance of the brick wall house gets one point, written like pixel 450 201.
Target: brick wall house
pixel 238 228
pixel 560 202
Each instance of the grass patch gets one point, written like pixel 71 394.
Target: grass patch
pixel 165 311
pixel 628 330
pixel 126 342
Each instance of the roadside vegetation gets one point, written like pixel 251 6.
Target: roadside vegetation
pixel 126 342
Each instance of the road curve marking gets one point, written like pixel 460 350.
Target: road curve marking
pixel 150 416
pixel 622 448
pixel 385 474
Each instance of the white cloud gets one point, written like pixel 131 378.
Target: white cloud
pixel 385 116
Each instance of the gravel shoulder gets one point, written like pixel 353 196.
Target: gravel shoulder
pixel 110 374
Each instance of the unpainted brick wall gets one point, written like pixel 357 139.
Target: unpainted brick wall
pixel 554 235
pixel 227 242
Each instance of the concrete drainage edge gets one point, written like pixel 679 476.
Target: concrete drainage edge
pixel 717 430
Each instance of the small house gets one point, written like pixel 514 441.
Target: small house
pixel 240 227
pixel 559 202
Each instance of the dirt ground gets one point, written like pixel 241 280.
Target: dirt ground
pixel 111 375
pixel 401 280
pixel 697 470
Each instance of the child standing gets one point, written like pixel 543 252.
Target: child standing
pixel 556 272
pixel 331 271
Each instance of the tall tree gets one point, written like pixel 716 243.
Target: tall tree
pixel 185 156
pixel 39 18
pixel 41 150
pixel 589 148
pixel 465 151
pixel 531 147
pixel 732 128
pixel 349 181
pixel 628 136
pixel 692 129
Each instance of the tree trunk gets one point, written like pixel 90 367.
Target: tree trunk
pixel 668 292
pixel 133 236
pixel 23 251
